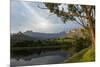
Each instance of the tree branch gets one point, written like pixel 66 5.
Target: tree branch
pixel 66 13
pixel 82 21
pixel 79 23
pixel 41 7
pixel 72 14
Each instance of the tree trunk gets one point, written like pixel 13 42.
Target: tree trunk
pixel 91 31
pixel 91 25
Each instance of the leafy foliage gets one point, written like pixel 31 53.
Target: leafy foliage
pixel 82 14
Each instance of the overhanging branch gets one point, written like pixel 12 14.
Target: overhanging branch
pixel 41 7
pixel 66 13
pixel 73 14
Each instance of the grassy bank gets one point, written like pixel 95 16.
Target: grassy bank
pixel 85 55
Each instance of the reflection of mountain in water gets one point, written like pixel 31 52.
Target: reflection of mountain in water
pixel 52 57
pixel 38 61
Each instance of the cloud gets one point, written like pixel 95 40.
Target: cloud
pixel 27 16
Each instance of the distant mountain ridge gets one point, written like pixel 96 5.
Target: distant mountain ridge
pixel 29 35
pixel 40 36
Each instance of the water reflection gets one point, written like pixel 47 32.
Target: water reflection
pixel 51 57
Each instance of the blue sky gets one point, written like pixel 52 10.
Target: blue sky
pixel 27 16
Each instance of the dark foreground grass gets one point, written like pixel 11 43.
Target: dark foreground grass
pixel 86 55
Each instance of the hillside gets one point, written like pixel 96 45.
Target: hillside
pixel 85 55
pixel 43 36
pixel 19 37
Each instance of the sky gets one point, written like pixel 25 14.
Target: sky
pixel 25 15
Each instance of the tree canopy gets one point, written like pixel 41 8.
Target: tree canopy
pixel 81 14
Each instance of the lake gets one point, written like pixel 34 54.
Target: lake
pixel 50 57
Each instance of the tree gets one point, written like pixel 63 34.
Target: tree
pixel 81 14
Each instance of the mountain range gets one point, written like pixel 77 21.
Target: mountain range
pixel 30 35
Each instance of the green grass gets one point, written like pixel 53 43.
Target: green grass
pixel 86 55
pixel 89 55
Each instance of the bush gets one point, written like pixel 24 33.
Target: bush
pixel 81 43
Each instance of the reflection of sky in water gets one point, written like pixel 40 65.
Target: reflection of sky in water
pixel 27 16
pixel 37 61
pixel 44 58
